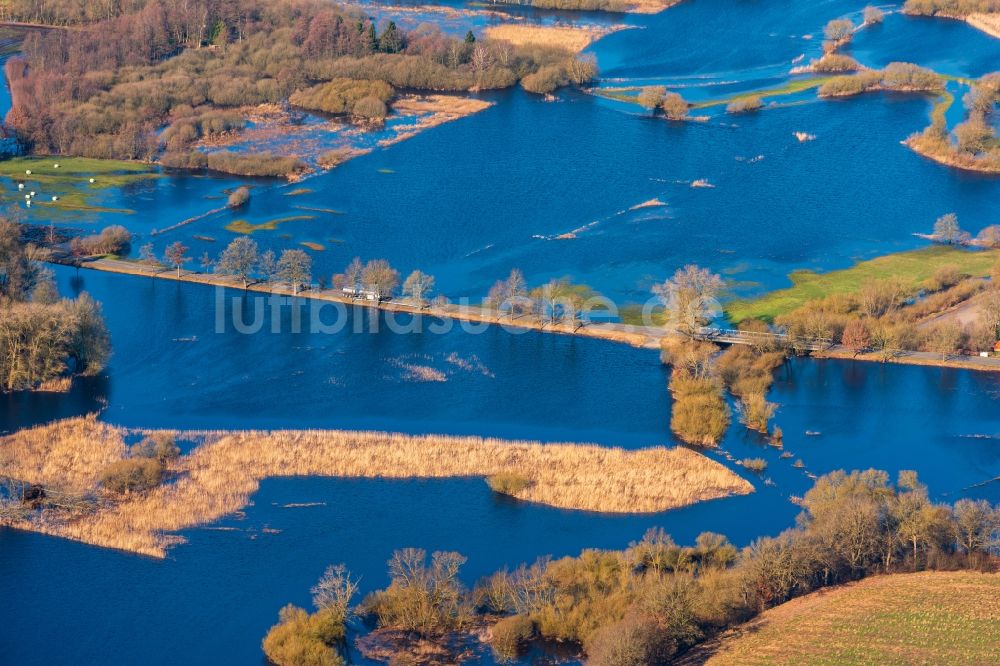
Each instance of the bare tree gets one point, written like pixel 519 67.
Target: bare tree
pixel 206 262
pixel 946 229
pixel 238 259
pixel 353 273
pixel 855 336
pixel 651 97
pixel 689 297
pixel 674 106
pixel 418 285
pixel 335 590
pixel 176 255
pixel 295 268
pixel 147 255
pixel 267 265
pixel 380 278
pixel 879 297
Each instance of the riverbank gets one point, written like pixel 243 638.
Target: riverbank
pixel 637 336
pixel 648 337
pixel 932 359
pixel 988 23
pixel 222 472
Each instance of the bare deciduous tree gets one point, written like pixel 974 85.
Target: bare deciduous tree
pixel 689 297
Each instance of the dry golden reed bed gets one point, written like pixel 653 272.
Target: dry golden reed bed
pixel 220 476
pixel 988 23
pixel 570 38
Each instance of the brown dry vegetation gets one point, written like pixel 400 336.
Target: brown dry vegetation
pixel 988 23
pixel 929 618
pixel 219 476
pixel 573 39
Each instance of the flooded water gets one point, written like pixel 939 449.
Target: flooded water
pixel 580 164
pixel 172 369
pixel 468 201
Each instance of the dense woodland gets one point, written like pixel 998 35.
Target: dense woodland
pixel 653 600
pixel 42 337
pixel 106 89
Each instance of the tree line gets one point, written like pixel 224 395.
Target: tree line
pixel 106 89
pixel 650 602
pixel 43 337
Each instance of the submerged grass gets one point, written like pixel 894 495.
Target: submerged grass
pixel 793 87
pixel 71 181
pixel 76 171
pixel 244 227
pixel 219 476
pixel 912 267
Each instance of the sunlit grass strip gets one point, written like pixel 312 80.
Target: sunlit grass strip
pixel 629 94
pixel 791 88
pixel 912 267
pixel 941 108
pixel 927 618
pixel 220 476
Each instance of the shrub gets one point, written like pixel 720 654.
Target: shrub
pixel 115 240
pixel 754 464
pixel 909 77
pixel 341 96
pixel 945 277
pixel 545 80
pixel 428 600
pixel 835 62
pixel 301 639
pixel 674 106
pixel 630 642
pixel 651 97
pixel 335 157
pixel 755 411
pixel 700 418
pixel 842 86
pixel 510 634
pixel 194 159
pixel 239 197
pixel 158 446
pixel 745 104
pixel 259 164
pixel 370 108
pixel 507 483
pixel 873 15
pixel 132 475
pixel 839 30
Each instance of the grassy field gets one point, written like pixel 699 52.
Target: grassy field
pixel 913 267
pixel 71 181
pixel 923 618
